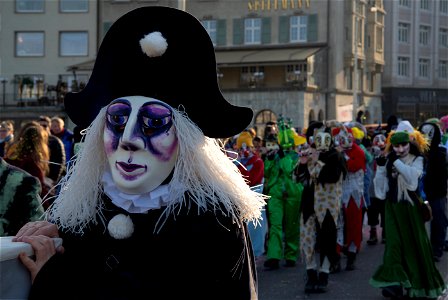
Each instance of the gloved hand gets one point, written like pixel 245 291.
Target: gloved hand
pixel 280 152
pixel 381 161
pixel 391 158
pixel 271 155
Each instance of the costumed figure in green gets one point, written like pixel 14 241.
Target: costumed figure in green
pixel 407 262
pixel 285 196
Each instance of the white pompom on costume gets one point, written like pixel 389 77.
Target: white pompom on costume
pixel 154 44
pixel 120 227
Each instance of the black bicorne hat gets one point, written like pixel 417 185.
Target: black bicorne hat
pixel 182 73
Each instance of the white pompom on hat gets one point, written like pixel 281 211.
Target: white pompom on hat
pixel 154 44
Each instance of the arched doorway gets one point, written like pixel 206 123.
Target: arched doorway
pixel 320 117
pixel 311 116
pixel 262 118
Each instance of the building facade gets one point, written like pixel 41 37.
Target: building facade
pixel 301 59
pixel 38 40
pixel 415 83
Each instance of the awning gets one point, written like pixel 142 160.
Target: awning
pixel 263 56
pixel 239 57
pixel 84 66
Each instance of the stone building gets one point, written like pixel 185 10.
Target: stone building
pixel 302 59
pixel 415 82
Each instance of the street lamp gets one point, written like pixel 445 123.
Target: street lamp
pixel 4 81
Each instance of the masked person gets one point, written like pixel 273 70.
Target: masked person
pixel 284 203
pixel 375 211
pixel 321 171
pixel 353 192
pixel 435 186
pixel 251 167
pixel 152 207
pixel 407 262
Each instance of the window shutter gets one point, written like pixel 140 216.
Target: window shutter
pixel 266 31
pixel 312 28
pixel 238 31
pixel 221 32
pixel 283 29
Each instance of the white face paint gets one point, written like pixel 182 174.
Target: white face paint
pixel 140 143
pixel 380 141
pixel 402 149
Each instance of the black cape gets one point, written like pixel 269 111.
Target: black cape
pixel 195 255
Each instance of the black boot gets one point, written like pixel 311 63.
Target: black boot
pixel 351 257
pixel 272 264
pixel 393 291
pixel 336 266
pixel 322 282
pixel 311 282
pixel 373 236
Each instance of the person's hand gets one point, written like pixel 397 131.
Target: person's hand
pixel 280 152
pixel 36 228
pixel 392 157
pixel 381 161
pixel 43 247
pixel 271 154
pixel 303 159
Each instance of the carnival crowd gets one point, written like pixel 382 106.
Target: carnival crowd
pixel 323 182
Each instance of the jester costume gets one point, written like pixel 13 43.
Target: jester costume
pixel 284 203
pixel 152 208
pixel 407 261
pixel 322 180
pixel 353 193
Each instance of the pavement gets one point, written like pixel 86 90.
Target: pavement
pixel 289 283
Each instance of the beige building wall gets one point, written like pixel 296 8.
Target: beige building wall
pixel 51 22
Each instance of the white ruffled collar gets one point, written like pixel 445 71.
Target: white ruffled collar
pixel 135 203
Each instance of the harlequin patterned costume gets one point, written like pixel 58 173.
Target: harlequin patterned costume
pixel 320 210
pixel 353 192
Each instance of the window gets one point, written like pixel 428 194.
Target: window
pixel 403 66
pixel 296 73
pixel 424 4
pixel 29 44
pixel 298 29
pixel 403 32
pixel 424 35
pixel 370 77
pixel 74 5
pixel 252 75
pixel 443 37
pixel 379 39
pixel 348 78
pixel 73 84
pixel 30 6
pixel 444 6
pixel 29 86
pixel 405 3
pixel 73 43
pixel 359 30
pixel 443 69
pixel 210 26
pixel 252 31
pixel 423 67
